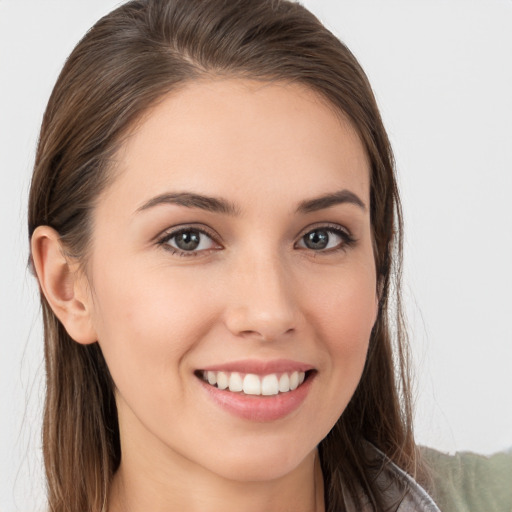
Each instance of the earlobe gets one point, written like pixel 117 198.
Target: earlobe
pixel 63 285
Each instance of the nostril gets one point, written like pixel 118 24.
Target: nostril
pixel 267 334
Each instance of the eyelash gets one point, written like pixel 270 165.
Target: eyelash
pixel 347 239
pixel 163 241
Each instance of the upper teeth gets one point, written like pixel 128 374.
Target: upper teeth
pixel 252 384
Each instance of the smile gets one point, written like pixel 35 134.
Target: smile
pixel 253 384
pixel 258 391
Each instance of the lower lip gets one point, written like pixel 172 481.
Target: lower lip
pixel 257 407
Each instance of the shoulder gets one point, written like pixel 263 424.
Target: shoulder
pixel 400 491
pixel 468 481
pixel 397 491
pixel 460 482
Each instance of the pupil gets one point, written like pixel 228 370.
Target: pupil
pixel 188 240
pixel 317 240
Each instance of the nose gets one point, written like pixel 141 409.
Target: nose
pixel 262 302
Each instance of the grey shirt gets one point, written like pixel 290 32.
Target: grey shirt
pixel 400 492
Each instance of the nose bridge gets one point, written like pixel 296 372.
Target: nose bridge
pixel 262 301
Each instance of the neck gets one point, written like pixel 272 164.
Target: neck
pixel 166 487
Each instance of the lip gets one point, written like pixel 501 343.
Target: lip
pixel 260 408
pixel 260 367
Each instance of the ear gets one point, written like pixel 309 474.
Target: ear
pixel 63 285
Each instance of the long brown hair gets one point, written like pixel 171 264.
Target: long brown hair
pixel 128 61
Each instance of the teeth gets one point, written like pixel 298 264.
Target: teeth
pixel 222 380
pixel 235 382
pixel 294 380
pixel 252 384
pixel 269 385
pixel 284 383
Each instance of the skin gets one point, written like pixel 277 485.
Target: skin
pixel 253 290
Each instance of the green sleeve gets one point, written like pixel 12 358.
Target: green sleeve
pixel 467 482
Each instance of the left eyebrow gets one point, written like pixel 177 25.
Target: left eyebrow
pixel 329 200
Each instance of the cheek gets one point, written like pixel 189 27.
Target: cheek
pixel 147 323
pixel 345 308
pixel 343 313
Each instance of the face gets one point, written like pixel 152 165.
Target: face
pixel 232 277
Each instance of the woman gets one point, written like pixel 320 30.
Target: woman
pixel 215 227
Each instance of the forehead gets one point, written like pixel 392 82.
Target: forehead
pixel 234 136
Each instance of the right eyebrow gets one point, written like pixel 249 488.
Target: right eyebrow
pixel 192 200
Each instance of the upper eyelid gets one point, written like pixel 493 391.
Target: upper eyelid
pixel 323 225
pixel 168 233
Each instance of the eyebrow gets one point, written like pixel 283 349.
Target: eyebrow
pixel 191 200
pixel 329 200
pixel 219 205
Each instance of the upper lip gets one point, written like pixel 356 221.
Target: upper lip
pixel 259 367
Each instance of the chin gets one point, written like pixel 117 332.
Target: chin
pixel 260 463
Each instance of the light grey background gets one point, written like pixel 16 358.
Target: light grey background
pixel 442 75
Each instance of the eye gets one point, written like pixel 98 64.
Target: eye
pixel 188 241
pixel 325 239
